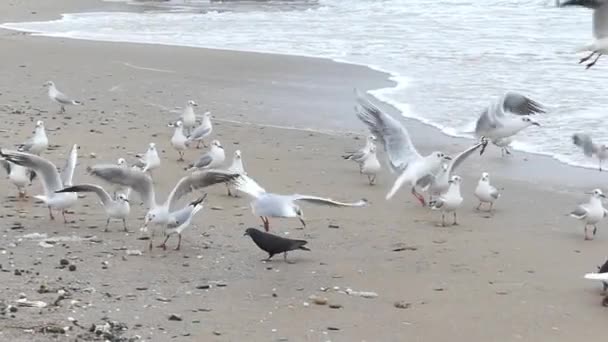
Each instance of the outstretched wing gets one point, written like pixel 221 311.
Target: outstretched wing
pixel 103 195
pixel 67 173
pixel 247 185
pixel 456 161
pixel 518 104
pixel 328 201
pixel 135 179
pixel 395 138
pixel 48 171
pixel 198 180
pixel 6 165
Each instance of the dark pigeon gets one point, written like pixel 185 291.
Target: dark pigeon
pixel 273 244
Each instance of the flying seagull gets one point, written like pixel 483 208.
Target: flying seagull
pixel 599 45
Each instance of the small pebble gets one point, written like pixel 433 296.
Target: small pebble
pixel 175 317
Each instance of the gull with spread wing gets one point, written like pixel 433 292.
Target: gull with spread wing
pixel 51 179
pixel 590 148
pixel 506 116
pixel 402 155
pixel 266 204
pixel 599 45
pixel 118 208
pixel 60 98
pixel 159 214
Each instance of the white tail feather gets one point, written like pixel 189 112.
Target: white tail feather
pixel 597 276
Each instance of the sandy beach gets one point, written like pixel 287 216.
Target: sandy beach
pixel 514 276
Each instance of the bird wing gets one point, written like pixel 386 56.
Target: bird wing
pixel 62 98
pixel 494 192
pixel 67 173
pixel 487 121
pixel 50 177
pixel 199 132
pixel 518 104
pixel 592 4
pixel 6 165
pixel 597 276
pixel 437 204
pixel 203 161
pixel 395 138
pixel 135 179
pixel 327 201
pixel 26 146
pixel 600 21
pixel 456 161
pixel 247 185
pixel 585 142
pixel 579 212
pixel 198 180
pixel 103 195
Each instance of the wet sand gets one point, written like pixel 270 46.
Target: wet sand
pixel 514 276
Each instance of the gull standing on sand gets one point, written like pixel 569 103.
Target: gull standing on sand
pixel 370 166
pixel 485 192
pixel 59 97
pixel 599 45
pixel 118 208
pixel 359 155
pixel 590 149
pixel 449 201
pixel 238 168
pixel 440 182
pixel 181 220
pixel 38 143
pixel 159 214
pixel 591 212
pixel 211 159
pixel 51 179
pixel 402 155
pixel 507 116
pixel 202 131
pixel 188 117
pixel 266 204
pixel 179 140
pixel 18 175
pixel 150 160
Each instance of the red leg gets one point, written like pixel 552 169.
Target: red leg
pixel 51 214
pixel 266 223
pixel 164 244
pixel 419 197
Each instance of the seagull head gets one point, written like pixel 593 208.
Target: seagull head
pixel 440 156
pixel 528 121
pixel 39 123
pixel 48 84
pixel 485 177
pixel 371 138
pixel 372 149
pixel 178 123
pixel 597 193
pixel 123 198
pixel 121 162
pixel 237 154
pixel 152 146
pixel 191 103
pixel 216 143
pixel 455 180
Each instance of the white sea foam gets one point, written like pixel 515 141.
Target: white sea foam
pixel 448 59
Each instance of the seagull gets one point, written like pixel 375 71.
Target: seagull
pixel 602 274
pixel 236 167
pixel 449 201
pixel 439 183
pixel 202 131
pixel 181 219
pixel 118 208
pixel 590 149
pixel 402 155
pixel 150 160
pixel 591 212
pixel 485 192
pixel 188 117
pixel 265 204
pixel 38 143
pixel 273 244
pixel 179 140
pixel 599 45
pixel 370 166
pixel 18 175
pixel 158 213
pixel 359 155
pixel 507 116
pixel 211 159
pixel 504 144
pixel 51 179
pixel 59 97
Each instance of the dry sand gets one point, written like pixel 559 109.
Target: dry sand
pixel 514 276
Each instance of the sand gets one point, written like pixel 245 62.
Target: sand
pixel 515 275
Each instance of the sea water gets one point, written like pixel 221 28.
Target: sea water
pixel 449 58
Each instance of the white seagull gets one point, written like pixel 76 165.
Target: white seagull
pixel 591 212
pixel 599 45
pixel 449 201
pixel 439 183
pixel 590 148
pixel 211 159
pixel 150 160
pixel 118 208
pixel 266 204
pixel 159 214
pixel 188 117
pixel 179 140
pixel 236 167
pixel 202 131
pixel 38 143
pixel 59 97
pixel 485 192
pixel 370 166
pixel 402 155
pixel 359 155
pixel 181 219
pixel 18 175
pixel 51 179
pixel 507 116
